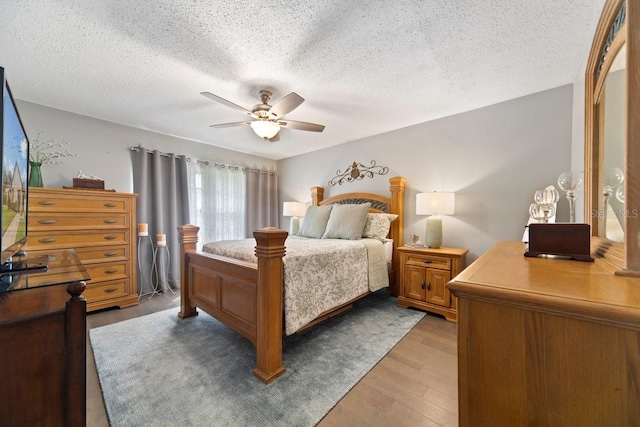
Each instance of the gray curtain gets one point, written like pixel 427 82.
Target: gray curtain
pixel 160 180
pixel 262 200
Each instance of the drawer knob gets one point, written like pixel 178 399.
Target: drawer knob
pixel 110 290
pixel 47 221
pixel 111 237
pixel 49 240
pixel 427 261
pixel 110 254
pixel 110 205
pixel 111 271
pixel 110 221
pixel 46 202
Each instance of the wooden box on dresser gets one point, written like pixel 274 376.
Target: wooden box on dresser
pixel 100 226
pixel 424 273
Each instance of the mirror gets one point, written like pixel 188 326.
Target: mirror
pixel 612 112
pixel 612 139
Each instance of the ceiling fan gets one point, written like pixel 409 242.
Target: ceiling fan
pixel 268 119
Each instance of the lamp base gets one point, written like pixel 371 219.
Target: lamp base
pixel 433 234
pixel 294 226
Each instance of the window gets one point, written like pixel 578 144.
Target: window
pixel 217 201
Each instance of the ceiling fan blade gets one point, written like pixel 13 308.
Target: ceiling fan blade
pixel 286 105
pixel 275 138
pixel 295 124
pixel 228 103
pixel 224 125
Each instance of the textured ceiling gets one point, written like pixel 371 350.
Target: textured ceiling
pixel 364 67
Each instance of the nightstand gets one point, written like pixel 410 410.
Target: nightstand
pixel 424 274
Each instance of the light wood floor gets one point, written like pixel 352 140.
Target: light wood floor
pixel 415 384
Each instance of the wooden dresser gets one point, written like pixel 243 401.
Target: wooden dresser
pixel 43 345
pixel 100 226
pixel 546 342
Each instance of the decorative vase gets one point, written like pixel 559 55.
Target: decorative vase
pixel 570 182
pixel 35 174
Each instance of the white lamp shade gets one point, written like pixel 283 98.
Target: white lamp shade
pixel 435 203
pixel 265 129
pixel 293 209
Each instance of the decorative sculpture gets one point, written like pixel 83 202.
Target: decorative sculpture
pixel 358 171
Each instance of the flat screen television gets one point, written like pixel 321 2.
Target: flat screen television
pixel 14 151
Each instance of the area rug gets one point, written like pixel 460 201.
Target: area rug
pixel 160 370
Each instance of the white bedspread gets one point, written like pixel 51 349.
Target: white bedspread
pixel 319 274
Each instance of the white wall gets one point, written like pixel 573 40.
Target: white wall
pixel 493 158
pixel 103 148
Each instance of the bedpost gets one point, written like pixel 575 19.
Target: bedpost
pixel 396 185
pixel 317 195
pixel 269 317
pixel 188 237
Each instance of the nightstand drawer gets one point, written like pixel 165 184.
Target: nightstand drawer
pixel 429 261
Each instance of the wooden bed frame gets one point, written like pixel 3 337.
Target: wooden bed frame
pixel 248 297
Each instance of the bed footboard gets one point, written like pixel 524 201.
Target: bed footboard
pixel 246 297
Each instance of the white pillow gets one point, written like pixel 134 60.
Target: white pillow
pixel 378 225
pixel 315 221
pixel 347 221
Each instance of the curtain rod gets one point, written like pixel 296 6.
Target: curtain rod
pixel 141 148
pixel 219 165
pixel 204 162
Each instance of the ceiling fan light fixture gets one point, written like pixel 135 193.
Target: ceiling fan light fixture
pixel 268 118
pixel 265 129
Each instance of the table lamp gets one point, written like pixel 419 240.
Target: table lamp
pixel 434 204
pixel 294 210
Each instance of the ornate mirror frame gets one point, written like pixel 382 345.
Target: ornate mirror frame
pixel 616 28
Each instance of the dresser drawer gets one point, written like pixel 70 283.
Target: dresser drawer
pixel 110 271
pixel 48 221
pixel 72 240
pixel 70 202
pixel 93 255
pixel 104 291
pixel 430 261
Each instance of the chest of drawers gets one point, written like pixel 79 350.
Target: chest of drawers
pixel 100 227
